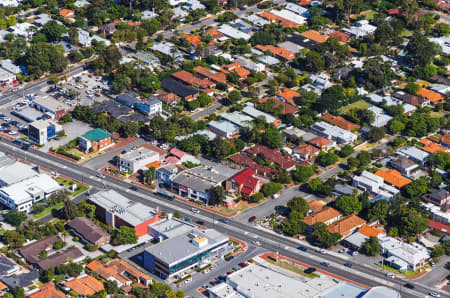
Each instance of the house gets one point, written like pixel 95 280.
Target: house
pixel 238 118
pixel 274 18
pixel 321 143
pixel 414 154
pixel 244 160
pixel 84 285
pixel 129 99
pixel 443 42
pixel 439 226
pixel 67 13
pixel 166 97
pixel 24 280
pixel 166 173
pixel 137 159
pixel 116 211
pixel 108 29
pixel 7 267
pixel 236 67
pixel 216 35
pixel 81 3
pixel 393 177
pixel 411 99
pixel 194 40
pixel 285 107
pixel 85 39
pixel 291 47
pixel 445 140
pixel 232 32
pixel 439 197
pixel 224 128
pixel 89 231
pixel 347 225
pixel 267 60
pixel 440 79
pixel 327 215
pixel 180 89
pixel 285 162
pixel 306 151
pixel 167 48
pixel 360 29
pixel 342 73
pixel 341 36
pixel 403 256
pixel 321 81
pixel 332 132
pixel 315 206
pixel 6 76
pixel 47 290
pixel 256 20
pixel 340 122
pixel 41 131
pixel 244 183
pixel 195 183
pixel 95 140
pixel 150 106
pixel 315 36
pixel 121 272
pixel 357 239
pixel 8 65
pixel 302 41
pixel 250 65
pixel 297 9
pixel 250 110
pixel 440 88
pixel 25 30
pixel 279 52
pixel 217 77
pixel 432 96
pixel 189 79
pixel 405 165
pixel 288 95
pixel 374 184
pixel 380 118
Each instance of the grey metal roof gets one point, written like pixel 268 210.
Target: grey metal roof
pixel 20 281
pixel 200 178
pixel 7 266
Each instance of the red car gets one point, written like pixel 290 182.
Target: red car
pixel 243 265
pixel 252 219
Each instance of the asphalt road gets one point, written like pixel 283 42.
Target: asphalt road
pixel 35 87
pixel 207 111
pixel 364 274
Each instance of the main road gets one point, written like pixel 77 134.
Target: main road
pixel 360 273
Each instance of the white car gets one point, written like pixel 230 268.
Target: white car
pixel 391 275
pixel 257 243
pixel 435 294
pixel 12 133
pixel 195 210
pixel 100 175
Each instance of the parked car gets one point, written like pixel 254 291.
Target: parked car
pixel 326 264
pixel 302 248
pixel 243 265
pixel 309 270
pixel 434 294
pixel 348 264
pixel 224 220
pixel 252 218
pixel 409 286
pixel 229 258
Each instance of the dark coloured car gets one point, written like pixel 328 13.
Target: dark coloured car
pixel 252 219
pixel 302 248
pixel 229 258
pixel 326 264
pixel 409 286
pixel 349 265
pixel 134 188
pixel 310 270
pixel 224 220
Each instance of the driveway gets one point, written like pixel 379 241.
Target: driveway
pixel 437 274
pixel 73 130
pixel 207 111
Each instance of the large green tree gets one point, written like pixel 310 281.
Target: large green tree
pixel 348 204
pixel 298 204
pixel 371 246
pixel 420 50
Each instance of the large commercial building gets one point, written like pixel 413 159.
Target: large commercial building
pixel 403 256
pixel 21 186
pixel 134 160
pixel 193 248
pixel 41 131
pixel 116 210
pixel 51 106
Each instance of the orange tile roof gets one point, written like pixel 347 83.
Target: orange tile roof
pixel 430 95
pixel 281 21
pixel 229 67
pixel 433 148
pixel 86 285
pixel 47 291
pixel 129 23
pixel 214 33
pixel 242 72
pixel 218 77
pixel 326 214
pixel 307 149
pixel 305 2
pixel 319 142
pixel 192 39
pixel 287 108
pixel 445 139
pixel 393 177
pixel 370 231
pixel 343 37
pixel 315 36
pixel 3 286
pixel 345 225
pixel 277 51
pixel 190 79
pixel 67 13
pixel 426 141
pixel 288 95
pixel 339 121
pixel 316 206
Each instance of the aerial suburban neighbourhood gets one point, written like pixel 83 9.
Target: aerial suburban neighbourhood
pixel 224 148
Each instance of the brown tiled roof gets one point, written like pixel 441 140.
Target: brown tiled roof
pixel 217 77
pixel 307 149
pixel 339 121
pixel 279 52
pixel 60 257
pixel 286 107
pixel 315 206
pixel 326 214
pixel 247 161
pixel 31 251
pixel 88 229
pixel 274 156
pixel 345 225
pixel 370 231
pixel 319 142
pixel 315 36
pixel 192 80
pixel 85 286
pixel 47 291
pixel 343 37
pixel 411 99
pixel 445 139
pixel 165 96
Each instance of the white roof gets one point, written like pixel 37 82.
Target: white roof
pixel 441 88
pixel 81 3
pixel 25 190
pixel 233 32
pixel 148 14
pixel 382 292
pixel 410 253
pixel 444 42
pixel 414 153
pixel 268 60
pixel 256 20
pixel 255 113
pixel 289 15
pixel 166 48
pixel 409 108
pixel 377 179
pixel 14 172
pixel 224 126
pixel 238 118
pixel 179 12
pixel 9 65
pixel 300 10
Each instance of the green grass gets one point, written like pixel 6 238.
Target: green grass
pixel 48 210
pixel 405 33
pixel 67 182
pixel 360 104
pixel 437 114
pixel 408 273
pixel 293 268
pixel 370 15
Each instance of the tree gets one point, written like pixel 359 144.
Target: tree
pixel 234 96
pixel 412 222
pixel 150 84
pixel 293 227
pixel 73 36
pixel 124 235
pixel 42 57
pixel 272 138
pixel 364 158
pixel 18 292
pixel 377 74
pixel 322 236
pixel 371 246
pixel 14 239
pixel 345 151
pixel 348 204
pixel 302 173
pixel 53 30
pixel 150 174
pixel 298 204
pixel 15 218
pixel 177 214
pixel 420 50
pixel 58 244
pixel 46 276
pixel 313 62
pixel 412 88
pixel 331 99
pixel 379 211
pixel 396 126
pixel 111 287
pixel 70 209
pixel 216 195
pixel 416 188
pixel 376 133
pixel 326 159
pixel 271 188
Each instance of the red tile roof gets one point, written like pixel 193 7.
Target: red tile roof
pixel 246 179
pixel 274 156
pixel 47 291
pixel 287 108
pixel 346 225
pixel 319 142
pixel 85 286
pixel 218 77
pixel 315 36
pixel 288 94
pixel 192 39
pixel 190 79
pixel 279 52
pixel 343 37
pixel 67 13
pixel 339 121
pixel 247 161
pixel 438 226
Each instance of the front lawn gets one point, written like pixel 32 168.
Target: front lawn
pixel 407 273
pixel 360 104
pixel 293 268
pixel 48 210
pixel 68 182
